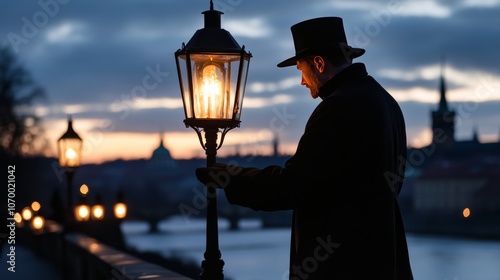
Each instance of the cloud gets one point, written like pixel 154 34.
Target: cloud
pixel 67 32
pixel 466 85
pixel 252 28
pixel 425 8
pixel 481 3
pixel 284 84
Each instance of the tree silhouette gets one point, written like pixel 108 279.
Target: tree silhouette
pixel 20 129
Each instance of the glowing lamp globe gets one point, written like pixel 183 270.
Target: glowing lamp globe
pixel 120 207
pixel 120 210
pixel 70 148
pixel 97 212
pixel 26 213
pixel 98 209
pixel 37 223
pixel 82 212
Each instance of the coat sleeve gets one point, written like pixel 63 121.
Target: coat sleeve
pixel 323 154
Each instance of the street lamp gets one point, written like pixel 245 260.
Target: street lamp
pixel 98 209
pixel 27 214
pixel 120 208
pixel 37 223
pixel 70 154
pixel 35 205
pixel 212 70
pixel 82 210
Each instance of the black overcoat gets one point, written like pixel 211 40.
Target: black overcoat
pixel 342 184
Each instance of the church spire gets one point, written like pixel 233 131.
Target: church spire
pixel 161 139
pixel 275 145
pixel 443 119
pixel 475 134
pixel 443 104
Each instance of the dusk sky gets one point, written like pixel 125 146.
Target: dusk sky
pixel 92 57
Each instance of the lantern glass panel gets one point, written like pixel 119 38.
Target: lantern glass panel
pixel 70 150
pixel 238 105
pixel 184 80
pixel 214 87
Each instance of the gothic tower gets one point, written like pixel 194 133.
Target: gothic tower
pixel 276 152
pixel 443 121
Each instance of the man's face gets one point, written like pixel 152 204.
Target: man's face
pixel 310 77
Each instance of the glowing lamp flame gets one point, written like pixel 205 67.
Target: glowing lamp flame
pixel 210 95
pixel 70 154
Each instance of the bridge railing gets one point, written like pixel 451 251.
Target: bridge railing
pixel 80 257
pixel 91 259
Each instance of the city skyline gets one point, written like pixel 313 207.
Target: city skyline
pixel 111 66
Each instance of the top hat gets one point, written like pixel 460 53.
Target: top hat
pixel 318 35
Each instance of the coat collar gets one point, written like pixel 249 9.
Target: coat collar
pixel 350 74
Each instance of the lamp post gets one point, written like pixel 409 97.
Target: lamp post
pixel 212 70
pixel 70 151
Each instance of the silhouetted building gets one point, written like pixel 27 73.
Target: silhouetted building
pixel 448 176
pixel 443 122
pixel 161 158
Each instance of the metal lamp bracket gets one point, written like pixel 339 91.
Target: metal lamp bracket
pixel 200 136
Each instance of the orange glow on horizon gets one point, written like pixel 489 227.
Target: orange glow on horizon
pixel 102 147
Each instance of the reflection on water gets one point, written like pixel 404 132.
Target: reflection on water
pixel 261 254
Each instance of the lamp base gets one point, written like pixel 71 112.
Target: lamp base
pixel 212 270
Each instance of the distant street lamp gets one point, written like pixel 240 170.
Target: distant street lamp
pixel 27 214
pixel 70 154
pixel 37 223
pixel 18 218
pixel 98 209
pixel 212 70
pixel 82 210
pixel 70 151
pixel 120 208
pixel 35 205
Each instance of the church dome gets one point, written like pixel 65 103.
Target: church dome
pixel 161 157
pixel 161 152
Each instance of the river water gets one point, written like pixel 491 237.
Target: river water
pixel 254 253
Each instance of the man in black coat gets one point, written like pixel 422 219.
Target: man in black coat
pixel 343 181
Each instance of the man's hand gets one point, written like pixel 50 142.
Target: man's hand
pixel 209 174
pixel 218 175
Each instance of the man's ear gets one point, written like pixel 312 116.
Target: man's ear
pixel 319 63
